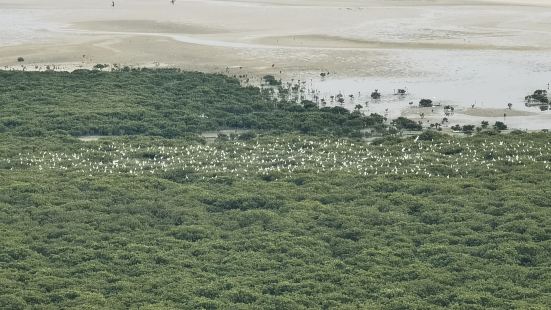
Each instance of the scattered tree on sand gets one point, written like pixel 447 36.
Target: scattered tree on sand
pixel 539 95
pixel 425 103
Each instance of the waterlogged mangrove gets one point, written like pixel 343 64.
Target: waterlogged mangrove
pixel 283 218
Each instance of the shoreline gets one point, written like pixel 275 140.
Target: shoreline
pixel 514 119
pixel 455 52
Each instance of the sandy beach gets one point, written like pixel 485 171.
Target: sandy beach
pixel 491 52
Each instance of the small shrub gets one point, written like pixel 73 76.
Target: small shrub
pixel 517 132
pixel 468 128
pixel 309 105
pixel 249 135
pixel 407 124
pixel 271 80
pixel 500 126
pixel 539 95
pixel 100 66
pixel 223 137
pixel 425 103
pixel 430 135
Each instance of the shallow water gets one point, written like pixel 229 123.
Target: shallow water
pixel 23 26
pixel 487 79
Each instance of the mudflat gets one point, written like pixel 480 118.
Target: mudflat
pixel 268 26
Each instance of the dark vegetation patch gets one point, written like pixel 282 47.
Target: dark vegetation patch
pixel 167 103
pixel 476 238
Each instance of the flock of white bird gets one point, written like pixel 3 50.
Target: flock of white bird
pixel 285 157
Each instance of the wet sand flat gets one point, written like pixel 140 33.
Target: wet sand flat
pixel 496 112
pixel 144 26
pixel 324 41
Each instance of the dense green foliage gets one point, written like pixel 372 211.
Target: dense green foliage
pixel 166 103
pixel 277 239
pixel 274 221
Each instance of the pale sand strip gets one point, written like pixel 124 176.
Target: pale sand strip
pixel 324 41
pixel 146 26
